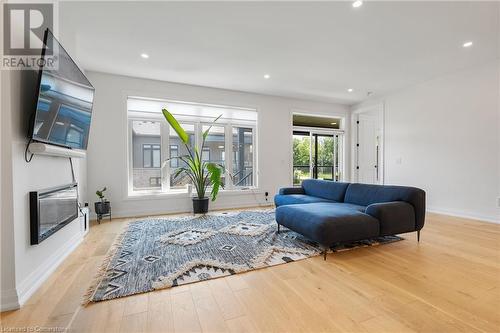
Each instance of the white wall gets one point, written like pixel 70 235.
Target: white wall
pixel 29 265
pixel 498 116
pixel 107 161
pixel 442 136
pixel 8 293
pixel 498 124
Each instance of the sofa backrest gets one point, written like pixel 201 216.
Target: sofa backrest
pixel 365 194
pixel 325 189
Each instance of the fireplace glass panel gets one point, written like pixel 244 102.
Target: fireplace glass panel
pixel 56 209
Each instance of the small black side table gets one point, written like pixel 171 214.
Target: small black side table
pixel 100 216
pixel 106 209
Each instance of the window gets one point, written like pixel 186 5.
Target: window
pixel 232 136
pixel 181 180
pixel 151 156
pixel 74 137
pixel 146 154
pixel 205 154
pixel 242 140
pixel 174 152
pixel 155 181
pixel 318 154
pixel 215 146
pixel 156 156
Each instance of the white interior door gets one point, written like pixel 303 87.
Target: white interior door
pixel 368 133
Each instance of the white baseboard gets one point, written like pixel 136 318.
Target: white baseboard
pixel 489 219
pixel 8 300
pixel 30 285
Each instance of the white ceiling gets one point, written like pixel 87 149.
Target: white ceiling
pixel 311 50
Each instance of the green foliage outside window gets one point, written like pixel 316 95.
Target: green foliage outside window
pixel 301 149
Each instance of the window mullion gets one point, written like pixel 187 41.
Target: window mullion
pixel 228 152
pixel 254 157
pixel 164 147
pixel 198 136
pixel 130 177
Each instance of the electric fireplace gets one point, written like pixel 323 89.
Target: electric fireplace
pixel 51 209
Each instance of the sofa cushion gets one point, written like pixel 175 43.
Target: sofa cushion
pixel 292 199
pixel 345 205
pixel 364 194
pixel 291 190
pixel 327 226
pixel 395 217
pixel 326 189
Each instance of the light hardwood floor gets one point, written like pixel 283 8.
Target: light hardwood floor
pixel 449 282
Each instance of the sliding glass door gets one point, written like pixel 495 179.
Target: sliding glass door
pixel 317 154
pixel 323 157
pixel 301 156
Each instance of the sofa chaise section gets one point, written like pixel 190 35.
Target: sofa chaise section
pixel 326 225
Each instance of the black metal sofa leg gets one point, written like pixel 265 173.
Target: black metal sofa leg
pixel 325 250
pixel 418 236
pixel 278 228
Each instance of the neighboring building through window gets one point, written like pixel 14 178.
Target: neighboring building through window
pixel 205 154
pixel 152 138
pixel 155 181
pixel 243 167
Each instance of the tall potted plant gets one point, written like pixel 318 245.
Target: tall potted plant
pixel 201 173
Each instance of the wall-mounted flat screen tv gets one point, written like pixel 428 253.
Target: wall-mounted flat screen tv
pixel 65 98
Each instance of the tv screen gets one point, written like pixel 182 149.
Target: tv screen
pixel 65 98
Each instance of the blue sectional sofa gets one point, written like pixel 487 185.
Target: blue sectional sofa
pixel 330 212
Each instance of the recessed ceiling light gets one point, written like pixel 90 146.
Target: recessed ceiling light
pixel 333 123
pixel 350 90
pixel 267 76
pixel 144 55
pixel 357 3
pixel 467 44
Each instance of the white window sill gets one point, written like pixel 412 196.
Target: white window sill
pixel 182 193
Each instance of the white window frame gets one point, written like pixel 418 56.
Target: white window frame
pixel 228 125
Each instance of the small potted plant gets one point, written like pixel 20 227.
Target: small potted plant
pixel 103 207
pixel 201 173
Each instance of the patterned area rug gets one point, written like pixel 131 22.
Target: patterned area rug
pixel 166 252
